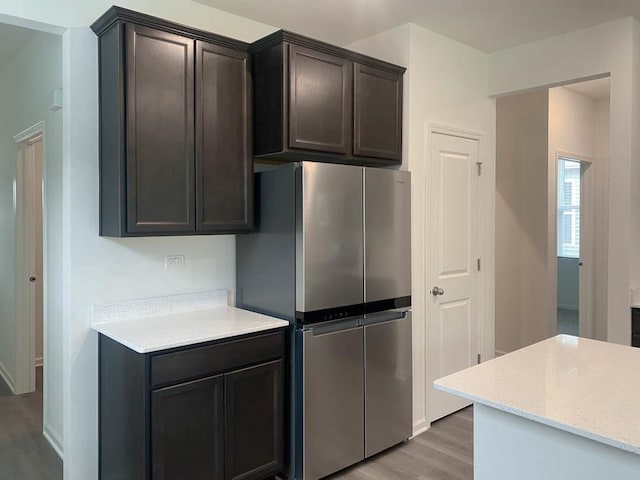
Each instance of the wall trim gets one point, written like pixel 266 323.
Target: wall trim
pixel 420 427
pixel 53 438
pixel 499 353
pixel 29 134
pixel 8 379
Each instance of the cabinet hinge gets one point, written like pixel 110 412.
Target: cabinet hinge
pixel 479 359
pixel 479 265
pixel 479 164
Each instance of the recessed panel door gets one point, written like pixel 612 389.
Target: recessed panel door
pixel 320 101
pixel 452 299
pixel 160 131
pixel 224 166
pixel 187 430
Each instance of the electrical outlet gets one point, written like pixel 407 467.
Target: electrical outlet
pixel 174 261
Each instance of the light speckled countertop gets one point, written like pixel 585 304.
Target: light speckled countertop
pixel 154 324
pixel 582 386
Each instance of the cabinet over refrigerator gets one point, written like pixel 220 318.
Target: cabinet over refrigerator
pixel 332 255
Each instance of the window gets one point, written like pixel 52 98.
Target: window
pixel 568 208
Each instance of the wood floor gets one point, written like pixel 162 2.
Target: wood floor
pixel 24 453
pixel 444 452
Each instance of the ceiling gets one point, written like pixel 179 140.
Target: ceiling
pixel 12 39
pixel 594 89
pixel 488 25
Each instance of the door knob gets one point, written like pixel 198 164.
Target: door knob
pixel 32 279
pixel 435 291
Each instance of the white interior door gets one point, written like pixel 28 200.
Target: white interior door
pixel 452 269
pixel 29 263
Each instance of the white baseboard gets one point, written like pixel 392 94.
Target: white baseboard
pixel 569 307
pixel 419 427
pixel 8 379
pixel 39 361
pixel 54 440
pixel 499 353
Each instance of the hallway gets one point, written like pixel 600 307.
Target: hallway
pixel 24 453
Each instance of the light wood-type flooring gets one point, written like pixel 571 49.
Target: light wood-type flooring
pixel 24 453
pixel 444 452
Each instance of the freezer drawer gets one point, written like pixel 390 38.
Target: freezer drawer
pixel 388 402
pixel 333 411
pixel 387 227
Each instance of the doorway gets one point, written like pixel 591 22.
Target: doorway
pixel 573 245
pixel 552 145
pixel 29 258
pixel 31 396
pixel 453 264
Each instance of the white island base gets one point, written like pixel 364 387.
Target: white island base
pixel 510 447
pixel 563 409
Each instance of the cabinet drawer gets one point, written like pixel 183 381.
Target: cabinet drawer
pixel 197 362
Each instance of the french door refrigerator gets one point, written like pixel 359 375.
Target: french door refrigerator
pixel 331 254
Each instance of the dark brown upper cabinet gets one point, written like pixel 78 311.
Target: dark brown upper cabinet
pixel 320 98
pixel 175 129
pixel 378 113
pixel 315 101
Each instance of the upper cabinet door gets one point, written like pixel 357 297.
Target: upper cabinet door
pixel 160 131
pixel 224 165
pixel 378 113
pixel 320 101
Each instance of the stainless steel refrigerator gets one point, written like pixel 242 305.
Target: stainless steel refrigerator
pixel 331 254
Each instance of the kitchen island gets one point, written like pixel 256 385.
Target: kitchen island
pixel 562 408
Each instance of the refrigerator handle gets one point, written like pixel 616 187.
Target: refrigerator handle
pixel 386 316
pixel 332 327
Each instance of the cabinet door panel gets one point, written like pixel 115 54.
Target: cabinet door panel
pixel 187 430
pixel 160 131
pixel 254 421
pixel 224 167
pixel 378 113
pixel 320 101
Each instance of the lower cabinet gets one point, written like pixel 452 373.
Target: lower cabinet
pixel 226 424
pixel 253 440
pixel 187 430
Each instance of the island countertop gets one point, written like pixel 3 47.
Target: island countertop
pixel 585 387
pixel 150 325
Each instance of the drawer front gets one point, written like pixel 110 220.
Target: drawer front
pixel 170 368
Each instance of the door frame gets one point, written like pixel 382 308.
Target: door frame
pixel 586 273
pixel 25 380
pixel 486 246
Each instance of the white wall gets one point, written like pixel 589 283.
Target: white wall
pixel 96 269
pixel 579 126
pixel 521 231
pixel 609 48
pixel 27 84
pixel 446 84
